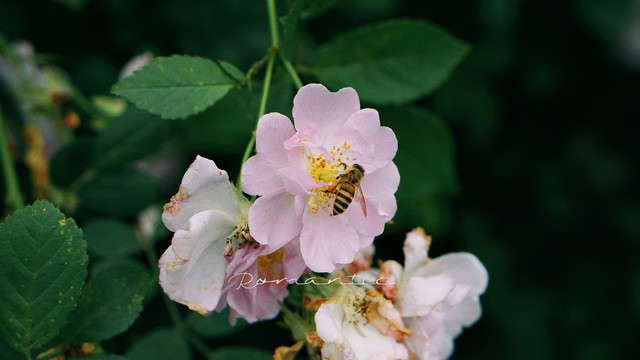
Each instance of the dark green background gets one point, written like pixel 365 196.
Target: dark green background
pixel 542 111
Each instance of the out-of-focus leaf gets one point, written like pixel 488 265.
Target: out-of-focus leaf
pixel 110 237
pixel 179 86
pixel 245 353
pixel 123 193
pixel 367 10
pixel 608 19
pixel 73 5
pixel 290 23
pixel 43 265
pixel 7 353
pixel 214 325
pixel 226 127
pixel 72 161
pixel 163 343
pixel 130 137
pixel 100 357
pixel 425 160
pixel 110 303
pixel 318 7
pixel 390 62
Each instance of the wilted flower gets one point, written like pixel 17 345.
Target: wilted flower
pixel 203 214
pixel 436 297
pixel 296 170
pixel 212 245
pixel 361 324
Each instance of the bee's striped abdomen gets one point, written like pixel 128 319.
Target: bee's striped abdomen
pixel 344 196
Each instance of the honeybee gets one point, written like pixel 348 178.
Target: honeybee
pixel 347 188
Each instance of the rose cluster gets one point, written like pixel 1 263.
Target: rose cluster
pixel 325 185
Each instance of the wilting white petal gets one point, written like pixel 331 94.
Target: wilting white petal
pixel 192 269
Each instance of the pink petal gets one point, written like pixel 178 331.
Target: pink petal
pixel 372 224
pixel 203 187
pixel 367 121
pixel 273 219
pixel 360 147
pixel 296 181
pixel 273 130
pixel 294 265
pixel 327 241
pixel 382 186
pixel 258 177
pixel 255 301
pixel 314 104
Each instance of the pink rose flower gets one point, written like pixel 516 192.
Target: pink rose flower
pixel 257 279
pixel 298 166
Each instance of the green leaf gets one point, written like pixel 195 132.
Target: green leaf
pixel 426 163
pixel 178 86
pixel 101 357
pixel 244 353
pixel 226 127
pixel 110 303
pixel 73 5
pixel 124 193
pixel 163 343
pixel 110 237
pixel 391 62
pixel 43 265
pixel 214 325
pixel 130 137
pixel 318 7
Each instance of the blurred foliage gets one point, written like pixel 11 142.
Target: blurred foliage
pixel 538 118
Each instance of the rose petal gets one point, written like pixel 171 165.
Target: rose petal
pixel 326 241
pixel 464 267
pixel 314 104
pixel 273 130
pixel 382 186
pixel 258 177
pixel 203 187
pixel 192 269
pixel 273 219
pixel 418 296
pixel 415 249
pixel 367 121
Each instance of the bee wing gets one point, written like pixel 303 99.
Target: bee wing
pixel 359 197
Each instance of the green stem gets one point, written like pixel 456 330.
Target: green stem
pixel 275 44
pixel 290 69
pixel 14 199
pixel 263 105
pixel 197 343
pixel 273 23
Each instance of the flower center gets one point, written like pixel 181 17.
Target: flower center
pixel 239 238
pixel 326 170
pixel 270 267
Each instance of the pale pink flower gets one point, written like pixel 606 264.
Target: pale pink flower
pixel 297 164
pixel 359 324
pixel 257 279
pixel 212 243
pixel 436 297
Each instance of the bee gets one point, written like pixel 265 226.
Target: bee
pixel 347 188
